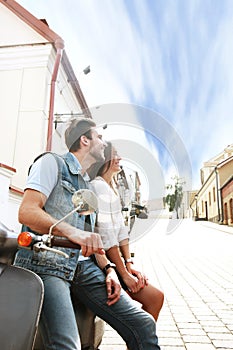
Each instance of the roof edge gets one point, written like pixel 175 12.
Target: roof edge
pixel 224 161
pixel 52 37
pixel 72 79
pixel 36 24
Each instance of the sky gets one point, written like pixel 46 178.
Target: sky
pixel 170 61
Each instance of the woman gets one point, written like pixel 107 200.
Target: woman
pixel 114 234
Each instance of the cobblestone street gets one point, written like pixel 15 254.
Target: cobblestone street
pixel 192 262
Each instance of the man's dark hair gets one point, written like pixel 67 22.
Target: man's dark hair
pixel 75 130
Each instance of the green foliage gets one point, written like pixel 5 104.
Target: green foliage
pixel 174 199
pixel 170 201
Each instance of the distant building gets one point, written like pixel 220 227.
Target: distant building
pixel 214 201
pixel 37 87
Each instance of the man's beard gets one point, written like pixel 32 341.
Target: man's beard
pixel 98 156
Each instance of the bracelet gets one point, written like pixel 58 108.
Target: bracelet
pixel 108 266
pixel 129 260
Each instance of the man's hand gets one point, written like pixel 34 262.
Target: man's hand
pixel 90 242
pixel 113 287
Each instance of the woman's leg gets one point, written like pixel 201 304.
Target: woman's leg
pixel 151 299
pixel 58 324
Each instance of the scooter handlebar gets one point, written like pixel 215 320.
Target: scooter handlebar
pixel 66 243
pixel 28 239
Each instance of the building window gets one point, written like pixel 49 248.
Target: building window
pixel 214 195
pixel 209 198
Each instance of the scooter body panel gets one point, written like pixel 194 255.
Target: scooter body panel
pixel 21 296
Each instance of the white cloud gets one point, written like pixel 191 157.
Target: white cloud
pixel 173 56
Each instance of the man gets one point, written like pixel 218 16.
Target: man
pixel 51 183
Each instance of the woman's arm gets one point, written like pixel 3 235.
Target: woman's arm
pixel 110 221
pixel 112 230
pixel 106 213
pixel 131 281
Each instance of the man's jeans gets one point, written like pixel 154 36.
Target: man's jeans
pixel 58 323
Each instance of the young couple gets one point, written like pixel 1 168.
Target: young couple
pixel 51 183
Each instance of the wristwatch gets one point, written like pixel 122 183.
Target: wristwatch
pixel 108 266
pixel 129 260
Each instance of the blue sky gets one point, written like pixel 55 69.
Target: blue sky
pixel 173 57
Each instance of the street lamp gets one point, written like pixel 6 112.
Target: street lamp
pixel 63 117
pixel 87 70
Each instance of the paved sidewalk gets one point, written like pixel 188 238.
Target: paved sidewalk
pixel 192 262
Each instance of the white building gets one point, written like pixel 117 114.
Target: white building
pixel 36 82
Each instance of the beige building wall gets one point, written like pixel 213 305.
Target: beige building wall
pixel 24 109
pixel 26 67
pixel 207 200
pixel 226 171
pixel 213 200
pixel 27 61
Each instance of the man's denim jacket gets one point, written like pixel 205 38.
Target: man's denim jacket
pixel 58 204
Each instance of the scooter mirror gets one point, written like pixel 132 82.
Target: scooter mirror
pixel 85 201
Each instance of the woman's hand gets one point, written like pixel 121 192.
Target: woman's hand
pixel 142 278
pixel 132 282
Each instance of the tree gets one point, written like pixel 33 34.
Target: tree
pixel 174 199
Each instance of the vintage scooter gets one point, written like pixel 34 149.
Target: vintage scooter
pixel 21 290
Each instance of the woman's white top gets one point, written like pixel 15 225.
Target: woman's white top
pixel 110 221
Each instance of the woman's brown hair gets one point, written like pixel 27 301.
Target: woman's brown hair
pixel 100 168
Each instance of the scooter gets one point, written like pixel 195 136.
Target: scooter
pixel 135 211
pixel 21 297
pixel 21 290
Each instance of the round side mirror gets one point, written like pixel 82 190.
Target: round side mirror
pixel 85 201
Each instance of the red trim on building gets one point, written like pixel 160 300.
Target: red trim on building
pixel 7 167
pixel 75 84
pixel 16 190
pixel 41 27
pixel 227 189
